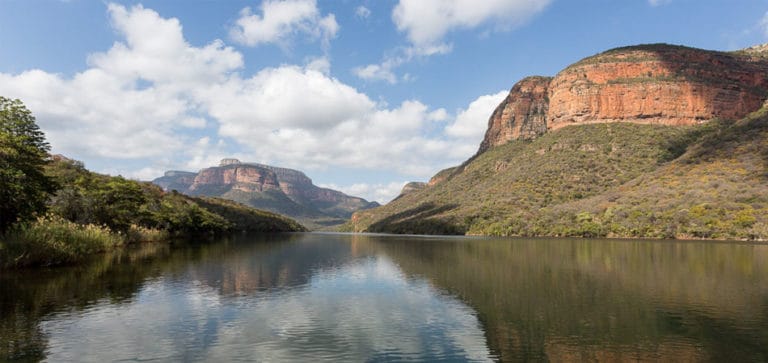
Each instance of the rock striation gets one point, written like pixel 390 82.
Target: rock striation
pixel 648 84
pixel 244 178
pixel 522 115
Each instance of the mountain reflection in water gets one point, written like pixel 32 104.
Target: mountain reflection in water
pixel 380 298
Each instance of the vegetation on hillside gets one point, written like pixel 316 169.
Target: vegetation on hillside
pixel 53 210
pixel 24 188
pixel 601 180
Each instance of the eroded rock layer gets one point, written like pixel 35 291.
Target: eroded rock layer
pixel 522 115
pixel 658 84
pixel 649 84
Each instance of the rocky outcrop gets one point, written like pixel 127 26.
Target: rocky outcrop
pixel 412 187
pixel 649 84
pixel 657 84
pixel 522 115
pixel 280 190
pixel 442 176
pixel 246 178
pixel 176 180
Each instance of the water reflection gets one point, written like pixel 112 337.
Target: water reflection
pixel 361 297
pixel 308 297
pixel 604 300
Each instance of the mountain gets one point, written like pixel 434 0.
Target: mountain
pixel 280 190
pixel 643 141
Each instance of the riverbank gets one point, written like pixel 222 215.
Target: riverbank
pixel 52 240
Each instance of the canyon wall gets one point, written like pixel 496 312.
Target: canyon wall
pixel 650 84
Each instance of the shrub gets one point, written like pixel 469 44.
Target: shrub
pixel 53 240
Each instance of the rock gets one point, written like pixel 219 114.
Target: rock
pixel 648 84
pixel 412 187
pixel 522 115
pixel 280 190
pixel 658 84
pixel 226 162
pixel 246 178
pixel 176 180
pixel 442 176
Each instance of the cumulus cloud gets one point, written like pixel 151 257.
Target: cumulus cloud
pixel 380 192
pixel 154 102
pixel 426 22
pixel 105 110
pixel 471 122
pixel 279 20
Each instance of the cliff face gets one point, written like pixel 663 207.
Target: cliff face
pixel 176 180
pixel 648 84
pixel 246 178
pixel 657 84
pixel 280 190
pixel 522 115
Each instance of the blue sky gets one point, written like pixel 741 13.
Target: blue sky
pixel 362 95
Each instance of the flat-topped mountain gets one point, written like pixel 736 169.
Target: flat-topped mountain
pixel 643 141
pixel 280 190
pixel 649 84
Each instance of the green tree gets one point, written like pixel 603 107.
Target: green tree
pixel 24 188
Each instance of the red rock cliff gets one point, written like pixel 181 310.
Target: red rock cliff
pixel 522 115
pixel 660 84
pixel 247 178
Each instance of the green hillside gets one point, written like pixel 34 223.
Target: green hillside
pixel 618 180
pixel 91 213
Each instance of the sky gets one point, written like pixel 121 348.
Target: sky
pixel 361 95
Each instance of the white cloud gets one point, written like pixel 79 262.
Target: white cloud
pixel 282 19
pixel 155 50
pixel 299 117
pixel 472 122
pixel 133 102
pixel 362 12
pixel 374 72
pixel 426 22
pixel 320 64
pixel 380 192
pixel 286 97
pixel 154 102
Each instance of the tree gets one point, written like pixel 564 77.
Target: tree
pixel 24 188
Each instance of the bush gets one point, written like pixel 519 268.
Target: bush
pixel 53 240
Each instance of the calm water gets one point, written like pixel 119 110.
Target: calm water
pixel 314 297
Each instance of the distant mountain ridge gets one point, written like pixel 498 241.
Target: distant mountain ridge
pixel 281 190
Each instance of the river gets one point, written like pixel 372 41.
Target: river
pixel 344 297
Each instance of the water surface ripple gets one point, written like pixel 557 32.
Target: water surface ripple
pixel 337 297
